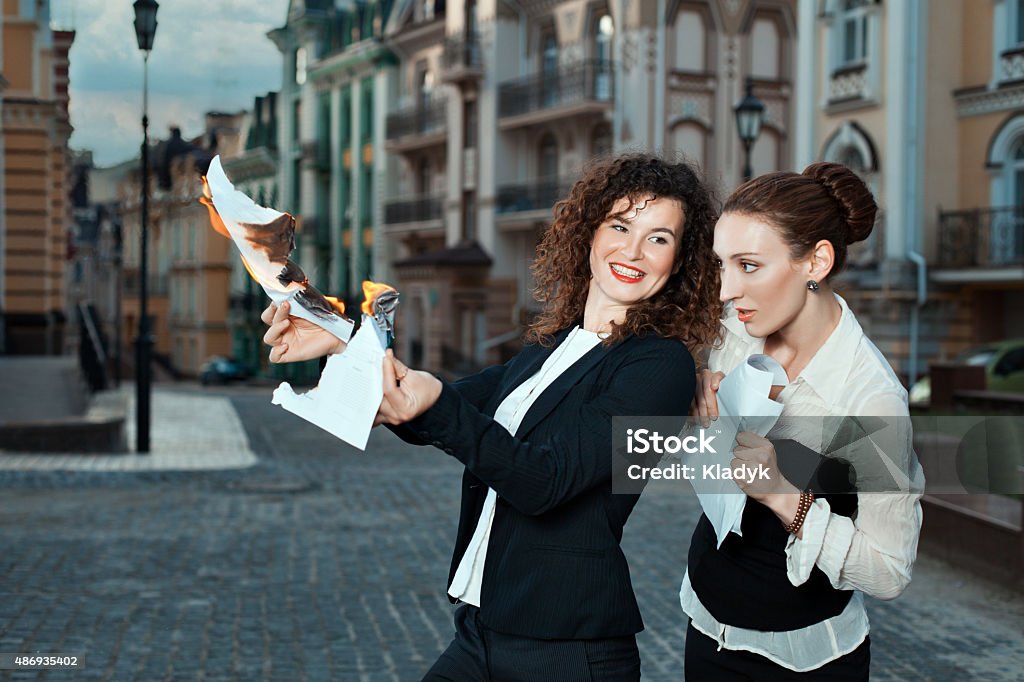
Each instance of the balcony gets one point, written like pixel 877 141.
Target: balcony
pixel 525 205
pixel 462 58
pixel 586 87
pixel 848 84
pixel 1011 66
pixel 981 238
pixel 414 213
pixel 417 127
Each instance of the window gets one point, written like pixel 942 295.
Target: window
pixel 1018 24
pixel 424 85
pixel 367 112
pixel 468 216
pixel 300 66
pixel 470 124
pixel 423 178
pixel 548 158
pixel 604 32
pixel 853 25
pixel 549 68
pixel 690 35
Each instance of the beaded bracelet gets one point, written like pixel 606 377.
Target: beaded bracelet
pixel 806 499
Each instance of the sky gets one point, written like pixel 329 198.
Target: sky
pixel 208 55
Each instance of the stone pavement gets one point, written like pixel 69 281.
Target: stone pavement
pixel 320 562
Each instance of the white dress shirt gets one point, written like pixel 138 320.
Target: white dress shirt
pixel 469 575
pixel 872 553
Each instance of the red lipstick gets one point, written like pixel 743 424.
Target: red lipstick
pixel 626 278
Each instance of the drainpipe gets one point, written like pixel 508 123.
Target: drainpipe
pixel 915 312
pixel 917 18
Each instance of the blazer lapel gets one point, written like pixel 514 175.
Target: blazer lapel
pixel 560 387
pixel 530 361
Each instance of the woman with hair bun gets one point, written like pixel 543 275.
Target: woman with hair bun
pixel 840 514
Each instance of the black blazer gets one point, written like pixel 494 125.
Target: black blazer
pixel 554 568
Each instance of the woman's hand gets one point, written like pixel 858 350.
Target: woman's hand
pixel 706 401
pixel 407 393
pixel 293 339
pixel 756 471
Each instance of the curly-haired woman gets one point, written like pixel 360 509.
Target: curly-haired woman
pixel 626 276
pixel 784 601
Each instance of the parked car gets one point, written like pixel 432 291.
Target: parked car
pixel 218 370
pixel 1004 368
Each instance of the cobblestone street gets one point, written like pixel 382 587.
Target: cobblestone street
pixel 320 562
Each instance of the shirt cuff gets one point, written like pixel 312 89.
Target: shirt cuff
pixel 802 553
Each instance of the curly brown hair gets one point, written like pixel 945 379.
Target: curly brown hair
pixel 687 308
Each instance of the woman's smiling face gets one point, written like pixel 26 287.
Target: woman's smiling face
pixel 765 285
pixel 632 257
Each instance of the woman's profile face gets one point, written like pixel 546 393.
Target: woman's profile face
pixel 632 257
pixel 767 288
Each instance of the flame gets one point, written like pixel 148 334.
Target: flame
pixel 337 304
pixel 218 224
pixel 371 290
pixel 248 269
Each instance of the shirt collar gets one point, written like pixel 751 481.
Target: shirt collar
pixel 828 370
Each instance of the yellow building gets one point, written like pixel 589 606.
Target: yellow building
pixel 925 101
pixel 189 263
pixel 977 175
pixel 33 165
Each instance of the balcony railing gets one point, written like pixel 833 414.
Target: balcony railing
pixel 462 56
pixel 422 119
pixel 981 237
pixel 535 196
pixel 1011 65
pixel 587 81
pixel 419 209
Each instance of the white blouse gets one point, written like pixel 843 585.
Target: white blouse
pixel 469 575
pixel 872 553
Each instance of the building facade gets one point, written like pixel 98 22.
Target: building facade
pixel 34 166
pixel 497 106
pixel 925 103
pixel 254 171
pixel 332 100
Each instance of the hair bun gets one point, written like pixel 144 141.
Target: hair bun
pixel 856 205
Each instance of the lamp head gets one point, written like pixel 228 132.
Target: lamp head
pixel 145 23
pixel 749 115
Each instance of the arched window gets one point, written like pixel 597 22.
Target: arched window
pixel 1016 172
pixel 852 158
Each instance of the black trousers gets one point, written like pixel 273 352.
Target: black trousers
pixel 704 662
pixel 481 655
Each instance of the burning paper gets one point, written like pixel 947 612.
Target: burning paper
pixel 351 386
pixel 265 239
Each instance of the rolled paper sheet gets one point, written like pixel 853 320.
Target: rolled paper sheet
pixel 265 238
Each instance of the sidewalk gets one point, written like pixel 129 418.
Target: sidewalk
pixel 188 432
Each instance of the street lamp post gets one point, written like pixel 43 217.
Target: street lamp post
pixel 145 31
pixel 749 117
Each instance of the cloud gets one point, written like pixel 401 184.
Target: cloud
pixel 207 55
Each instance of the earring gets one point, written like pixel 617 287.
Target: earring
pixel 812 285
